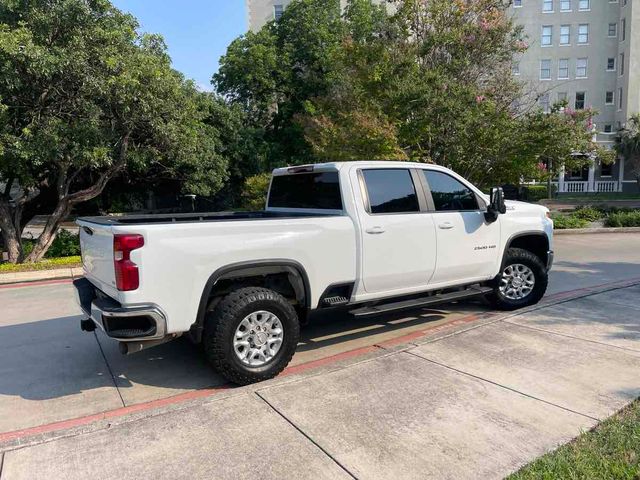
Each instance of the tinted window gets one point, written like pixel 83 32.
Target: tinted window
pixel 306 190
pixel 391 191
pixel 448 193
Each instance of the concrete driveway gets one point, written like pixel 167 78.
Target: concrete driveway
pixel 490 398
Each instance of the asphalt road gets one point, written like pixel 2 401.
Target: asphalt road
pixel 51 371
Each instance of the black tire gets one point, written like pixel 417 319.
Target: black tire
pixel 221 324
pixel 519 256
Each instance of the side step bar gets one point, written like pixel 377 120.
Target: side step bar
pixel 421 302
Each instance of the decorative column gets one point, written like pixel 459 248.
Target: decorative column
pixel 561 180
pixel 591 185
pixel 620 173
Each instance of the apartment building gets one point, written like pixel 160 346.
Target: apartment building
pixel 586 52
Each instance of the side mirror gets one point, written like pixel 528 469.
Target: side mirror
pixel 496 205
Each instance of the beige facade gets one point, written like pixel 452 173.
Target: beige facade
pixel 262 11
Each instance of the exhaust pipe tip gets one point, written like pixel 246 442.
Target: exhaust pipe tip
pixel 87 325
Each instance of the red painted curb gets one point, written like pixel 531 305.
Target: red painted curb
pixel 119 412
pixel 36 283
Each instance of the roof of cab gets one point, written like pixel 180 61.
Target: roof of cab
pixel 335 166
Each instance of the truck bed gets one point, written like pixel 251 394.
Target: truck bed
pixel 199 217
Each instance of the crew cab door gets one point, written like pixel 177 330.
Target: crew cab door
pixel 398 234
pixel 468 245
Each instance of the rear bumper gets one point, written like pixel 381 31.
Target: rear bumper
pixel 126 324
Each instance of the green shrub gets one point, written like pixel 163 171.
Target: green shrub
pixel 588 213
pixel 66 244
pixel 623 219
pixel 534 193
pixel 254 192
pixel 561 222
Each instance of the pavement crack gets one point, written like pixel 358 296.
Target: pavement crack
pixel 337 462
pixel 106 362
pixel 503 386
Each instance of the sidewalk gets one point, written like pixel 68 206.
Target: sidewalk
pixel 478 402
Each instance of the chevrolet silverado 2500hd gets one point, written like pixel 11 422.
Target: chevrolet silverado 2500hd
pixel 370 237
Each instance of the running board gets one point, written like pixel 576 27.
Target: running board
pixel 421 302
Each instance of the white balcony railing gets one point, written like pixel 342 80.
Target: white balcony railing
pixel 606 186
pixel 576 187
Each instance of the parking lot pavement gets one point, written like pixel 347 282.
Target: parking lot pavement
pixel 51 371
pixel 476 403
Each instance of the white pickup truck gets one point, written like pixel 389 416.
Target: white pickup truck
pixel 370 237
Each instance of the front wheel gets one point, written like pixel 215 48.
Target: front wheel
pixel 251 335
pixel 522 281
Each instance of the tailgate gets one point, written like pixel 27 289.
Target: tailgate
pixel 96 244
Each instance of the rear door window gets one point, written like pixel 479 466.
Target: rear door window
pixel 320 191
pixel 390 190
pixel 448 193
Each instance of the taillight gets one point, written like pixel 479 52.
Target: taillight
pixel 127 277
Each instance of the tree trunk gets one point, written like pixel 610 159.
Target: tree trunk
pixel 49 232
pixel 10 234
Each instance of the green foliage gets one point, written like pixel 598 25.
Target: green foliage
pixel 47 264
pixel 628 145
pixel 610 451
pixel 66 244
pixel 623 219
pixel 586 212
pixel 84 97
pixel 535 193
pixel 254 192
pixel 430 83
pixel 561 222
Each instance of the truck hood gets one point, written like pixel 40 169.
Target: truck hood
pixel 516 206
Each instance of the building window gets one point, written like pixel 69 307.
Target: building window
pixel 580 100
pixel 547 5
pixel 581 68
pixel 565 34
pixel 608 128
pixel 620 98
pixel 565 5
pixel 613 30
pixel 608 98
pixel 611 64
pixel 563 69
pixel 583 33
pixel 606 169
pixel 545 69
pixel 584 5
pixel 622 63
pixel 547 35
pixel 562 97
pixel 623 28
pixel 278 11
pixel 517 3
pixel 515 68
pixel 544 103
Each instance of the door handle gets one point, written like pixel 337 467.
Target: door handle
pixel 445 225
pixel 375 230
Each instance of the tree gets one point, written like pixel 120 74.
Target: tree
pixel 83 97
pixel 628 146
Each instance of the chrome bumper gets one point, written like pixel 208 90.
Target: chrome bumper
pixel 126 324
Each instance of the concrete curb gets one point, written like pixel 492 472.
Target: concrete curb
pixel 104 420
pixel 580 231
pixel 38 275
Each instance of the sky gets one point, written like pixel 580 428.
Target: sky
pixel 197 32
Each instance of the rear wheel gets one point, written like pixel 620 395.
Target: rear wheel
pixel 522 281
pixel 251 335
